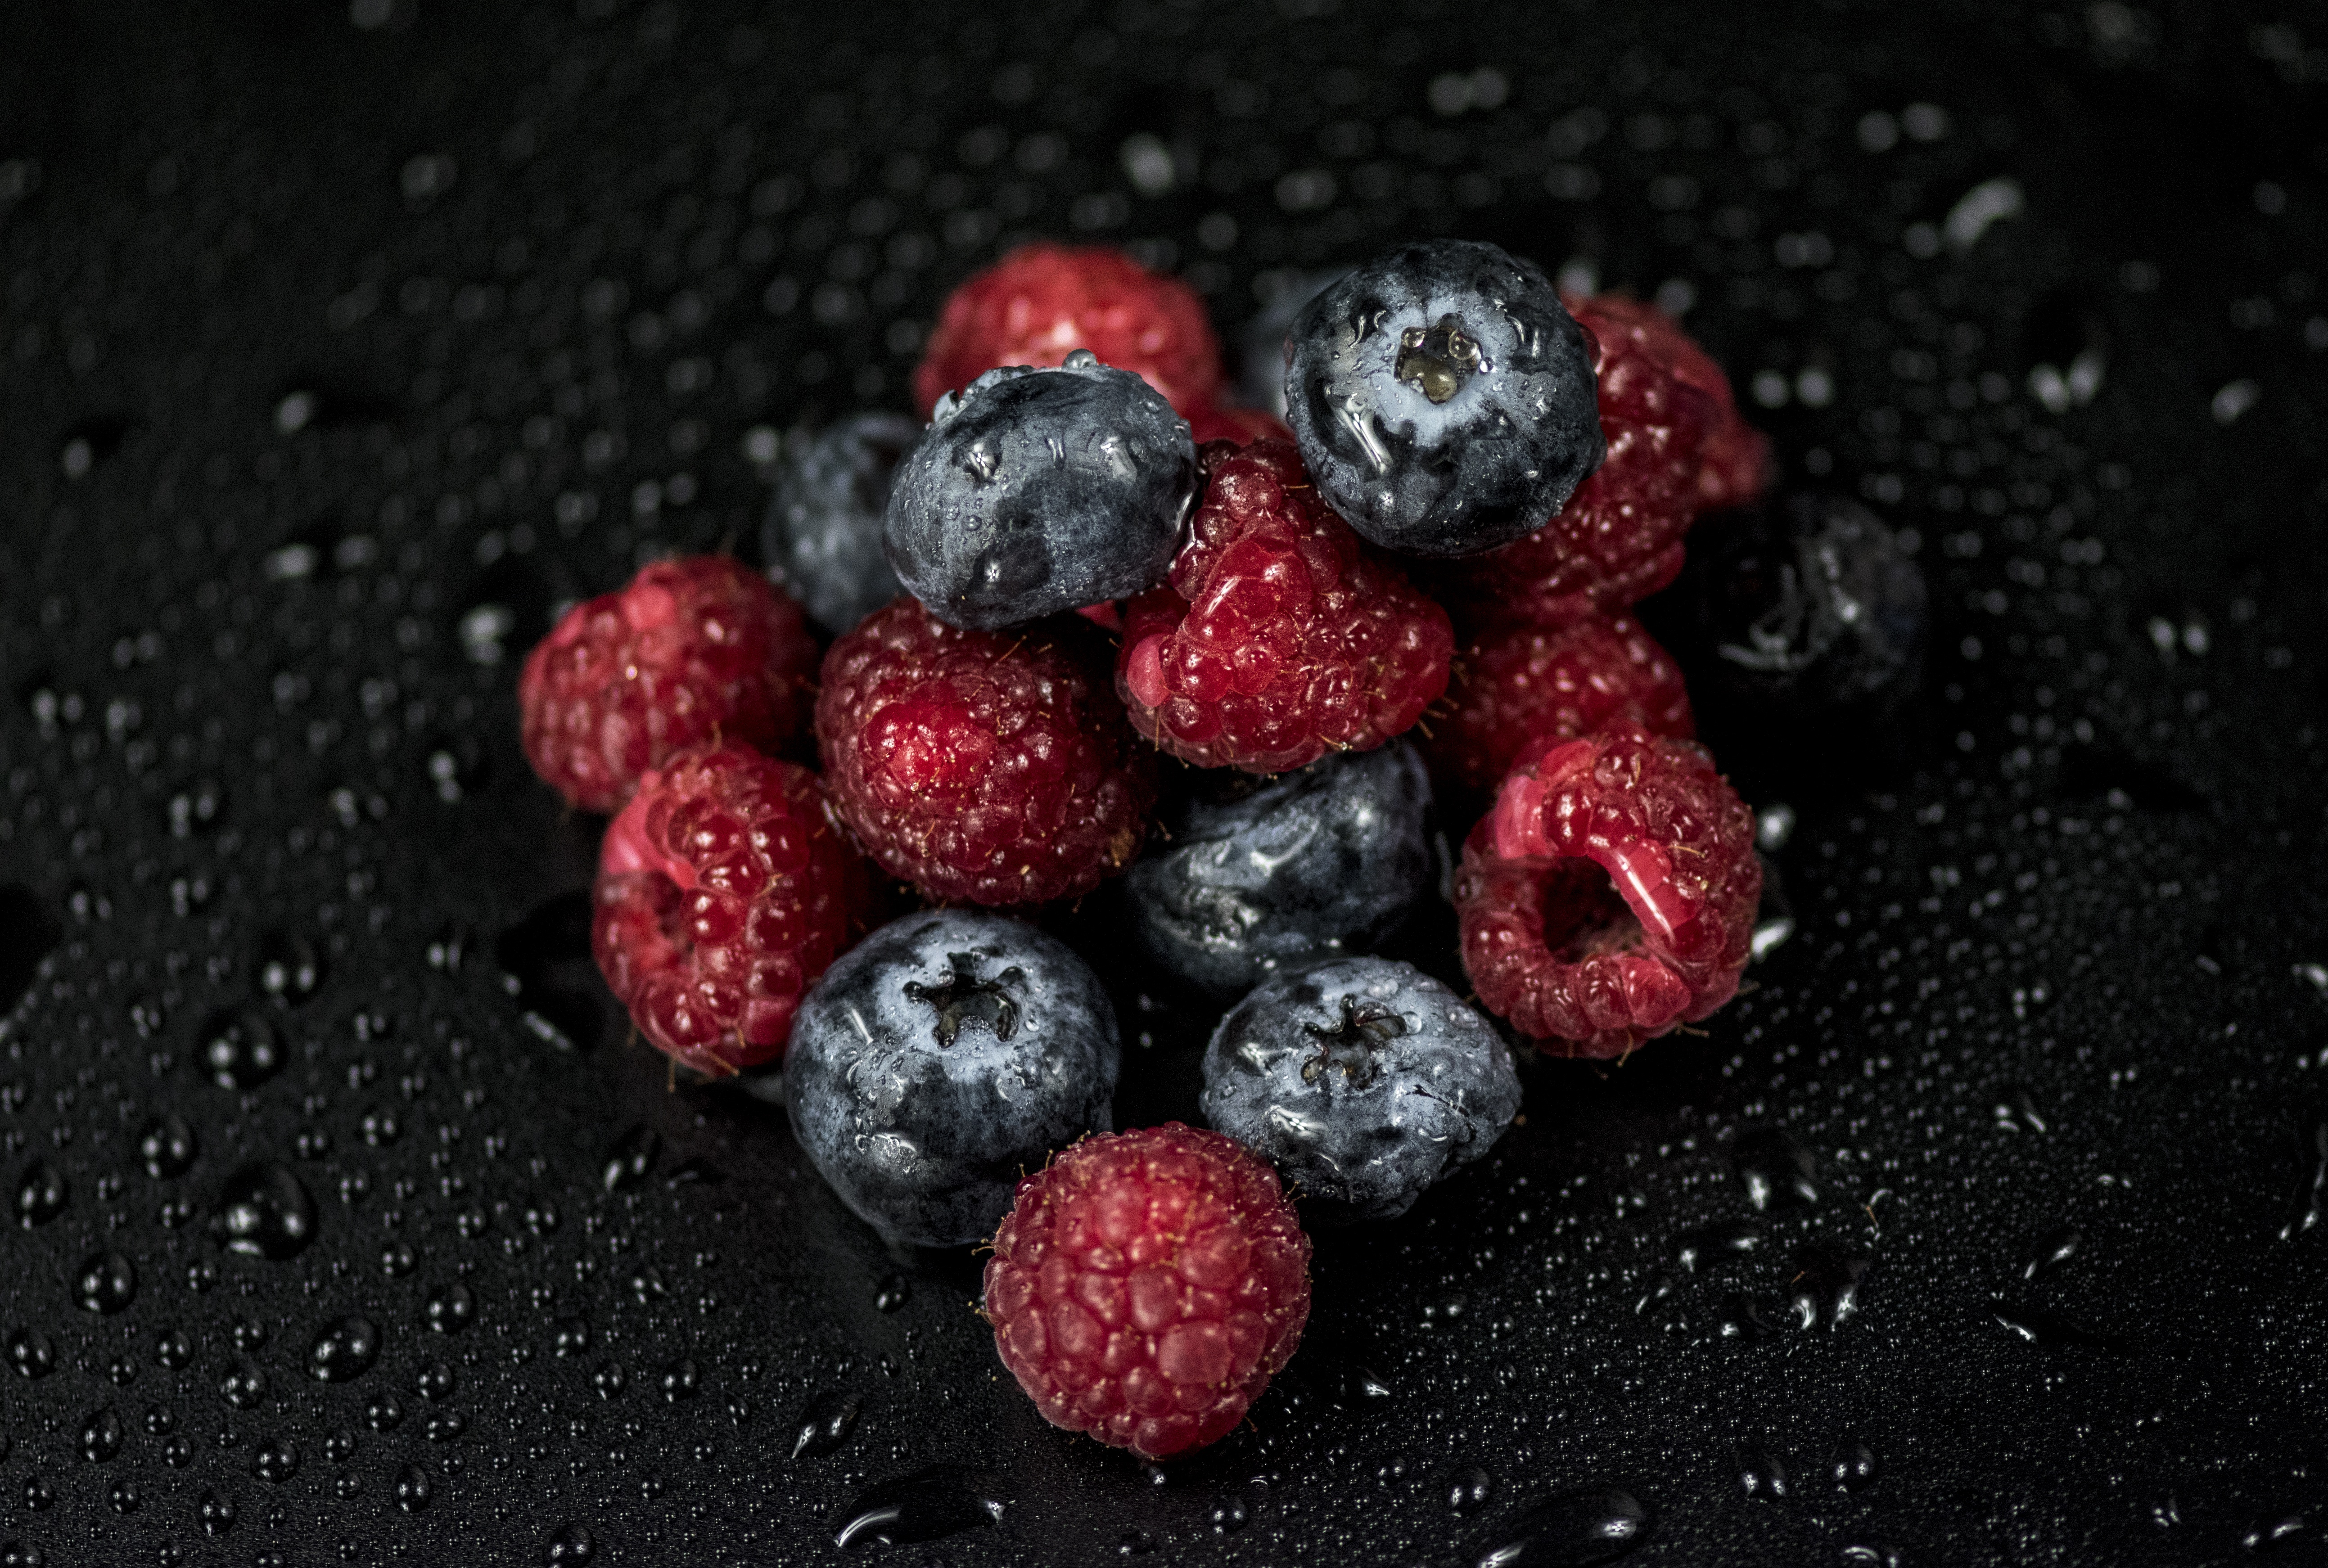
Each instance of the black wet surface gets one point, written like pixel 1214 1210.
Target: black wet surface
pixel 341 344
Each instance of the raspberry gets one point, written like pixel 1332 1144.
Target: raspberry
pixel 689 650
pixel 1522 689
pixel 1147 1285
pixel 1619 539
pixel 1735 456
pixel 1609 895
pixel 1280 635
pixel 989 767
pixel 723 892
pixel 1041 303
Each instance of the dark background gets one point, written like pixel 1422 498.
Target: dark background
pixel 338 346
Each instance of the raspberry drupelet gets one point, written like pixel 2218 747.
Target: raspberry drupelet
pixel 984 767
pixel 1281 635
pixel 724 891
pixel 1042 302
pixel 1677 448
pixel 1522 689
pixel 688 651
pixel 1610 894
pixel 1147 1286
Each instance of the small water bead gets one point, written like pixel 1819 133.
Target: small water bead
pixel 106 1282
pixel 384 1412
pixel 609 1380
pixel 1470 1490
pixel 414 1490
pixel 1712 1244
pixel 216 1513
pixel 1825 1286
pixel 2048 1330
pixel 288 969
pixel 680 1381
pixel 243 1386
pixel 161 1421
pixel 240 1049
pixel 41 1194
pixel 263 1212
pixel 451 1308
pixel 1853 1467
pixel 1760 1472
pixel 2310 1196
pixel 1571 1530
pixel 1229 1516
pixel 893 1292
pixel 398 1259
pixel 30 1353
pixel 572 1547
pixel 344 1349
pixel 166 1146
pixel 123 1497
pixel 2053 1249
pixel 631 1160
pixel 570 1336
pixel 247 1333
pixel 927 1504
pixel 1778 1172
pixel 173 1349
pixel 436 1382
pixel 825 1422
pixel 101 1435
pixel 276 1460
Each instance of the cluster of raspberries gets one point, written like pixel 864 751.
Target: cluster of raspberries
pixel 1088 558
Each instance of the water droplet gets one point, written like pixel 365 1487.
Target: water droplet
pixel 240 1049
pixel 276 1460
pixel 1853 1467
pixel 2045 1329
pixel 1778 1171
pixel 573 1546
pixel 101 1435
pixel 1825 1286
pixel 1742 1318
pixel 38 1494
pixel 633 1156
pixel 173 1349
pixel 2053 1249
pixel 1873 1557
pixel 1760 1472
pixel 925 1505
pixel 609 1380
pixel 414 1490
pixel 436 1382
pixel 825 1423
pixel 22 1554
pixel 288 968
pixel 344 1350
pixel 696 1172
pixel 570 1336
pixel 105 1282
pixel 42 1193
pixel 2015 1110
pixel 893 1292
pixel 243 1386
pixel 216 1514
pixel 2273 1529
pixel 1470 1490
pixel 263 1212
pixel 1572 1530
pixel 2312 1196
pixel 451 1308
pixel 1229 1514
pixel 166 1146
pixel 383 1412
pixel 30 1353
pixel 1710 1244
pixel 680 1381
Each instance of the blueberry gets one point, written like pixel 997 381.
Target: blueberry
pixel 1363 1080
pixel 1296 870
pixel 1817 612
pixel 823 531
pixel 1037 490
pixel 1443 398
pixel 941 1058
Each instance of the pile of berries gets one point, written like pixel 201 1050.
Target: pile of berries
pixel 1103 566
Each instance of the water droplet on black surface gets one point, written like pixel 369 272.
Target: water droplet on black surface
pixel 166 1146
pixel 926 1506
pixel 451 1308
pixel 680 1381
pixel 240 1049
pixel 101 1435
pixel 825 1423
pixel 1742 1318
pixel 28 935
pixel 344 1350
pixel 276 1460
pixel 30 1354
pixel 414 1490
pixel 105 1282
pixel 696 1172
pixel 2053 1249
pixel 263 1212
pixel 1760 1472
pixel 1230 1515
pixel 383 1412
pixel 436 1382
pixel 1825 1288
pixel 1778 1171
pixel 2312 1196
pixel 41 1194
pixel 1571 1530
pixel 216 1513
pixel 2050 1331
pixel 1853 1467
pixel 2273 1530
pixel 173 1349
pixel 572 1547
pixel 570 1336
pixel 893 1292
pixel 1470 1490
pixel 243 1386
pixel 2015 1110
pixel 631 1159
pixel 1710 1245
pixel 288 969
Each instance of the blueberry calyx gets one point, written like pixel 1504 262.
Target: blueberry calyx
pixel 963 998
pixel 1436 360
pixel 1364 1029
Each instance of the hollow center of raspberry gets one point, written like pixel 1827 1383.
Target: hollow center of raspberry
pixel 1584 916
pixel 1349 1045
pixel 963 998
pixel 1436 360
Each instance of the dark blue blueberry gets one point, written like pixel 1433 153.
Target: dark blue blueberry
pixel 1305 868
pixel 1037 490
pixel 940 1059
pixel 1815 612
pixel 1443 398
pixel 1364 1081
pixel 822 536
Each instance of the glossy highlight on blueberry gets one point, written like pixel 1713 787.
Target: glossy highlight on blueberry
pixel 1443 397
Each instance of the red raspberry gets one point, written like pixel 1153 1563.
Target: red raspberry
pixel 691 651
pixel 1610 894
pixel 1282 635
pixel 1520 689
pixel 1147 1286
pixel 989 767
pixel 724 891
pixel 1209 422
pixel 1041 303
pixel 1663 402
